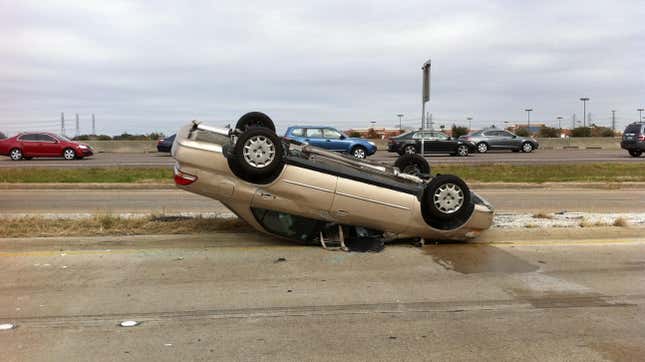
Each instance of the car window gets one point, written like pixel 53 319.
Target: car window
pixel 633 128
pixel 420 135
pixel 45 138
pixel 30 137
pixel 490 133
pixel 331 133
pixel 298 132
pixel 287 225
pixel 314 133
pixel 440 136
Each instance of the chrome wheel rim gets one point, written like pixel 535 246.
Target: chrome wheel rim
pixel 69 154
pixel 463 151
pixel 259 151
pixel 527 147
pixel 359 153
pixel 448 198
pixel 410 150
pixel 482 148
pixel 16 155
pixel 412 170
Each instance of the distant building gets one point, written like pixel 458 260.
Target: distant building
pixel 375 132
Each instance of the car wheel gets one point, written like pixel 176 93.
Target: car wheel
pixel 413 165
pixel 409 149
pixel 258 156
pixel 446 197
pixel 527 147
pixel 15 154
pixel 634 153
pixel 253 120
pixel 359 152
pixel 69 154
pixel 462 150
pixel 482 147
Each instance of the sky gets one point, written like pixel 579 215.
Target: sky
pixel 143 66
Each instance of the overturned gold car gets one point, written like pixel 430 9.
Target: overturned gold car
pixel 303 193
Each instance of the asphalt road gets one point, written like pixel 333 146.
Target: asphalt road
pixel 248 297
pixel 160 160
pixel 177 201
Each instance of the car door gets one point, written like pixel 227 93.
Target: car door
pixel 443 143
pixel 508 140
pixel 30 144
pixel 49 146
pixel 314 137
pixel 425 138
pixel 359 203
pixel 493 139
pixel 333 140
pixel 297 134
pixel 299 190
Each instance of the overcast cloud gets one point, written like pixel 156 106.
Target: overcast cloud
pixel 153 65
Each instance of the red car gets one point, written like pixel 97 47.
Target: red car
pixel 41 144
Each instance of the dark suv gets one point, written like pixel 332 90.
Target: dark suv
pixel 634 139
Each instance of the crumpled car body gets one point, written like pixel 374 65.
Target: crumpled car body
pixel 317 193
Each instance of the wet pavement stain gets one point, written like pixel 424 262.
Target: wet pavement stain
pixel 477 258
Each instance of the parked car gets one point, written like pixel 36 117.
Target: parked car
pixel 43 144
pixel 165 144
pixel 331 139
pixel 301 192
pixel 634 139
pixel 433 142
pixel 499 139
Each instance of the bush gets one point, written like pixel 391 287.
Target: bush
pixel 549 132
pixel 354 134
pixel 602 132
pixel 458 131
pixel 92 137
pixel 522 132
pixel 2 136
pixel 371 133
pixel 139 137
pixel 581 132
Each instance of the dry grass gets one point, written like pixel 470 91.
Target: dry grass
pixel 620 222
pixel 584 223
pixel 542 215
pixel 34 226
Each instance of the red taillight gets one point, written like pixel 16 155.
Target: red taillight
pixel 641 137
pixel 182 178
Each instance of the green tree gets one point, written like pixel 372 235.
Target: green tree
pixel 581 132
pixel 458 131
pixel 549 132
pixel 522 132
pixel 2 136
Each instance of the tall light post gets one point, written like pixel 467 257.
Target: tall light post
pixel 400 115
pixel 528 119
pixel 584 111
pixel 559 118
pixel 640 114
pixel 470 128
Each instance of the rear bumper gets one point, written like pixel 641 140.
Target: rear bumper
pixel 637 146
pixel 86 152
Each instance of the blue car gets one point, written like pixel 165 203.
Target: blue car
pixel 331 139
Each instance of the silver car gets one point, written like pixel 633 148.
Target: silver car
pixel 499 139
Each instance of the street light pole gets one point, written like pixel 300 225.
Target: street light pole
pixel 640 114
pixel 559 122
pixel 528 119
pixel 400 115
pixel 470 128
pixel 584 111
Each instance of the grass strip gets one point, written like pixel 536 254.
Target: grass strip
pixel 35 226
pixel 586 172
pixel 85 175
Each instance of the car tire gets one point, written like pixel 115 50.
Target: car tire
pixel 254 120
pixel 413 164
pixel 635 153
pixel 462 151
pixel 16 154
pixel 445 197
pixel 359 152
pixel 527 147
pixel 69 154
pixel 258 156
pixel 482 147
pixel 409 150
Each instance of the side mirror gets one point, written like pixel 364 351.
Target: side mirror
pixel 342 137
pixel 514 136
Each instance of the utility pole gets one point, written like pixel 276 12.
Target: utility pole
pixel 470 124
pixel 640 114
pixel 77 125
pixel 62 123
pixel 425 97
pixel 573 121
pixel 584 110
pixel 400 115
pixel 613 120
pixel 93 125
pixel 528 119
